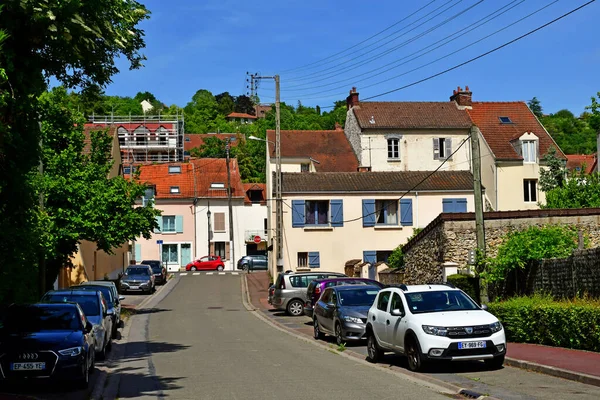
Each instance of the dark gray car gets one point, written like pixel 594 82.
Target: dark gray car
pixel 253 262
pixel 342 312
pixel 138 278
pixel 113 303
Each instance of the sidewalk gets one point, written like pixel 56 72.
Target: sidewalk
pixel 576 365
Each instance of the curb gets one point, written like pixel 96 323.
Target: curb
pixel 427 381
pixel 553 371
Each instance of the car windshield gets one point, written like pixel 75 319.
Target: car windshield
pixel 154 264
pixel 89 304
pixel 137 271
pixel 439 301
pixel 357 297
pixel 156 269
pixel 38 319
pixel 105 290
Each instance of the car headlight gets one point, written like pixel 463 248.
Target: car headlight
pixel 435 330
pixel 496 327
pixel 145 283
pixel 353 319
pixel 72 351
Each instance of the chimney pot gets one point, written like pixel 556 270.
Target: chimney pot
pixel 462 98
pixel 352 99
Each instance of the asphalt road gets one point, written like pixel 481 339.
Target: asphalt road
pixel 203 344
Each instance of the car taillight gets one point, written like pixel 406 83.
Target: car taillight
pixel 317 290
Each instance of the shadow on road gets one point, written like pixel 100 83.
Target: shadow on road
pixel 144 349
pixel 139 385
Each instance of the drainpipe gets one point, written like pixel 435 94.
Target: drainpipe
pixel 416 209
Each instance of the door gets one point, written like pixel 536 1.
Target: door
pixel 186 254
pixel 329 308
pixel 396 326
pixel 320 309
pixel 378 317
pixel 206 263
pixel 170 255
pixel 372 272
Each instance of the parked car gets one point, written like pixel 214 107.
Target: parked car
pixel 253 262
pixel 318 286
pixel 271 293
pixel 112 303
pixel 94 307
pixel 206 263
pixel 342 311
pixel 138 277
pixel 290 290
pixel 430 323
pixel 158 269
pixel 53 341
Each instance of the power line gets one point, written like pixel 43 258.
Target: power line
pixel 358 44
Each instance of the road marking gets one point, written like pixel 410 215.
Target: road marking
pixel 235 273
pixel 183 274
pixel 221 273
pixel 196 273
pixel 210 273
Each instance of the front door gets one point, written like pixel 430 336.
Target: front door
pixel 170 256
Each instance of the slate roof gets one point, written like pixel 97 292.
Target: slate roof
pixel 193 140
pixel 499 136
pixel 384 181
pixel 207 171
pixel 411 115
pixel 579 160
pixel 330 148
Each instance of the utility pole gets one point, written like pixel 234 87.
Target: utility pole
pixel 231 241
pixel 479 226
pixel 133 241
pixel 278 199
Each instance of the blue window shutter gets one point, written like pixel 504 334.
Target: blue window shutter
pixel 368 212
pixel 337 212
pixel 447 205
pixel 159 222
pixel 298 213
pixel 314 260
pixel 460 205
pixel 406 212
pixel 138 251
pixel 370 256
pixel 179 223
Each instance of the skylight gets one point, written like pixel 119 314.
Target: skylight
pixel 174 189
pixel 174 169
pixel 217 186
pixel 505 120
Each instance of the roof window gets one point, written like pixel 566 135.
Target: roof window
pixel 217 186
pixel 174 169
pixel 505 120
pixel 174 189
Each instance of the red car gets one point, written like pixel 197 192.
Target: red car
pixel 206 263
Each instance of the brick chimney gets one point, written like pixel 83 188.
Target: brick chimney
pixel 463 98
pixel 352 99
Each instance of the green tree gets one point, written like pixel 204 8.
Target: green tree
pixel 226 103
pixel 244 104
pixel 77 44
pixel 554 175
pixel 536 107
pixel 213 147
pixel 200 112
pixel 580 190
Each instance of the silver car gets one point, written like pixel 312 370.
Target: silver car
pixel 114 303
pixel 290 290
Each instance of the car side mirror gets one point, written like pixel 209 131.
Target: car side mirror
pixel 484 307
pixel 88 327
pixel 121 298
pixel 397 313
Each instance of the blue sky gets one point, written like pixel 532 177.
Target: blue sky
pixel 211 44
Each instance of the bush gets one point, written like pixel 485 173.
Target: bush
pixel 538 319
pixel 467 284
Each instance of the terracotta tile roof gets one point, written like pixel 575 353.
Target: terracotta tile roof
pixel 256 187
pixel 498 135
pixel 241 115
pixel 579 160
pixel 207 171
pixel 193 140
pixel 384 181
pixel 330 148
pixel 89 128
pixel 411 115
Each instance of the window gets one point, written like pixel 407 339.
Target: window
pixel 386 212
pixel 442 148
pixel 393 146
pixel 127 170
pixel 220 250
pixel 302 260
pixel 170 254
pixel 219 222
pixel 174 189
pixel 168 223
pixel 317 212
pixel 187 139
pixel 174 169
pixel 383 255
pixel 530 190
pixel 383 300
pixel 217 186
pixel 302 280
pixel 529 151
pixel 454 205
pixel 505 120
pixel 396 303
pixel 304 167
pixel 148 196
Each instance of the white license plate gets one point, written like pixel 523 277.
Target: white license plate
pixel 28 366
pixel 471 345
pixel 134 287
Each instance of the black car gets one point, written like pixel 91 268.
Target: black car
pixel 159 271
pixel 46 341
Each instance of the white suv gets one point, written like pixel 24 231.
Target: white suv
pixel 433 322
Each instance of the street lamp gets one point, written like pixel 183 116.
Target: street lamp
pixel 208 216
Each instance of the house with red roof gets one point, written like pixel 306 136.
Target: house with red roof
pixel 241 118
pixel 582 162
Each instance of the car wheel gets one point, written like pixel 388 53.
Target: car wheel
pixel 220 268
pixel 414 355
pixel 374 353
pixel 338 334
pixel 194 269
pixel 295 308
pixel 317 331
pixel 102 353
pixel 245 267
pixel 93 365
pixel 109 344
pixel 495 363
pixel 84 381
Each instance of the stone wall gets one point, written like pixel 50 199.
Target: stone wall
pixel 391 276
pixel 450 237
pixel 353 133
pixel 569 277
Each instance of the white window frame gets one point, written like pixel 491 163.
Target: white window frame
pixel 174 169
pixel 393 154
pixel 381 207
pixel 529 151
pixel 302 259
pixel 166 226
pixel 174 190
pixel 529 189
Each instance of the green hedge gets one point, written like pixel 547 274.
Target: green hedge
pixel 572 324
pixel 467 284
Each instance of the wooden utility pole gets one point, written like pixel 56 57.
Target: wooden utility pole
pixel 278 197
pixel 231 241
pixel 479 225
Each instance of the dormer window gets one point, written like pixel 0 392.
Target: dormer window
pixel 304 167
pixel 529 151
pixel 505 120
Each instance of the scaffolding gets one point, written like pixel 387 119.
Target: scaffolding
pixel 147 138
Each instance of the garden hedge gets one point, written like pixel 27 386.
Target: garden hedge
pixel 572 324
pixel 467 284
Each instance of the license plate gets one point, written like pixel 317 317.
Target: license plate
pixel 28 366
pixel 471 345
pixel 134 287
